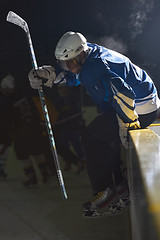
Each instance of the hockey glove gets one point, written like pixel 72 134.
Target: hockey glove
pixel 43 75
pixel 124 129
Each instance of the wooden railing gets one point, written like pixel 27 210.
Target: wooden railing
pixel 143 163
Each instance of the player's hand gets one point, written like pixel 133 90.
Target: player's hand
pixel 124 129
pixel 44 75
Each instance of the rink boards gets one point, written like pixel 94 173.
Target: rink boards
pixel 144 180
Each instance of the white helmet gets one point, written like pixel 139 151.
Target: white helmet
pixel 70 45
pixel 8 82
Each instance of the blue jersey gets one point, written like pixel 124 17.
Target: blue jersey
pixel 111 79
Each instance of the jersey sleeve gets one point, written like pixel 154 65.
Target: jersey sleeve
pixel 123 98
pixel 115 90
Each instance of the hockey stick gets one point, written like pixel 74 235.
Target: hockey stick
pixel 68 118
pixel 17 20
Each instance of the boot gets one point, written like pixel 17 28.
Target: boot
pixel 31 180
pixel 3 175
pixel 80 167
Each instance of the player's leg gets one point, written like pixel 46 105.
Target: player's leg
pixel 102 147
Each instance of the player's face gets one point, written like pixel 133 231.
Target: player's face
pixel 74 65
pixel 70 65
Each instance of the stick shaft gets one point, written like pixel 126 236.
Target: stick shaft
pixel 17 20
pixel 52 143
pixel 47 121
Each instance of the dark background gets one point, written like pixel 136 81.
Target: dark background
pixel 131 27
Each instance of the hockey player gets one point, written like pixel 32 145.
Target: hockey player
pixel 21 116
pixel 69 128
pixel 127 97
pixel 6 87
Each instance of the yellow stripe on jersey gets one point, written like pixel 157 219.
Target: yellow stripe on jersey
pixel 126 99
pixel 131 114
